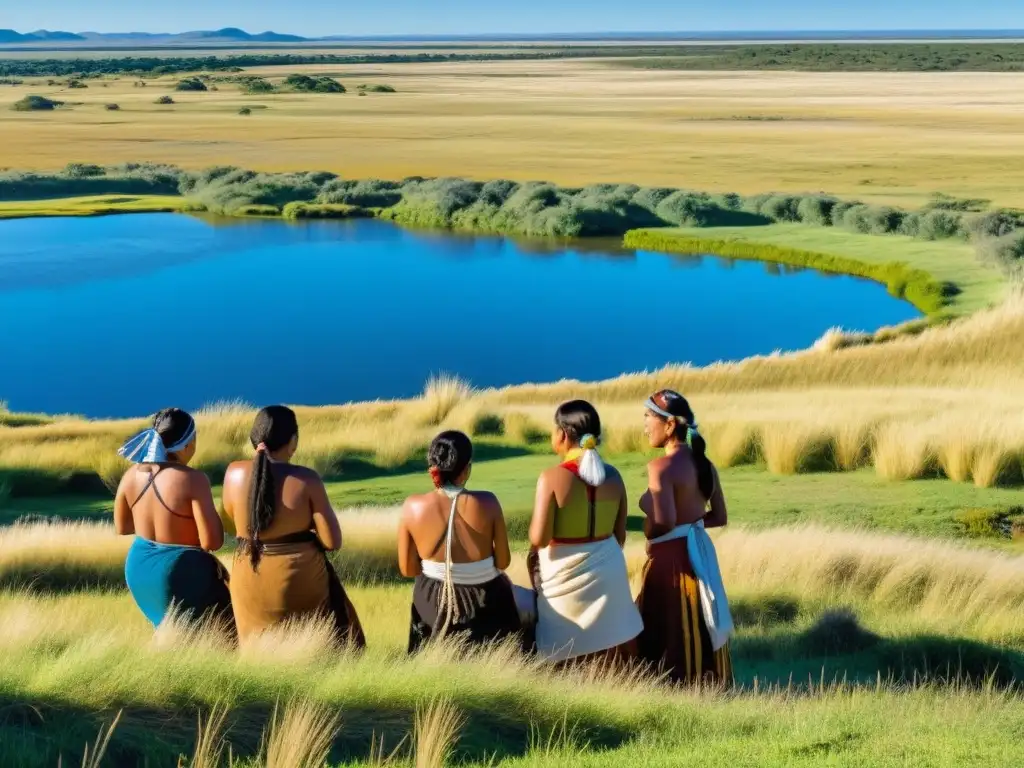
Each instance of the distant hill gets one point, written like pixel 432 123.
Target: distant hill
pixel 40 36
pixel 226 35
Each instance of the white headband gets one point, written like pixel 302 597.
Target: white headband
pixel 653 406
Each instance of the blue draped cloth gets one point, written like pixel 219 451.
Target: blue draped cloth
pixel 162 575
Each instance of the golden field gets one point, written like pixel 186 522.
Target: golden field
pixel 895 137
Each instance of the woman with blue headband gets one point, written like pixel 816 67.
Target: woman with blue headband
pixel 169 508
pixel 585 611
pixel 687 623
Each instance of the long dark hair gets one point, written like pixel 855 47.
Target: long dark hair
pixel 449 455
pixel 675 404
pixel 274 428
pixel 578 418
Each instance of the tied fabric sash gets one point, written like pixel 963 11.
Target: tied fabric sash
pixel 467 574
pixel 704 560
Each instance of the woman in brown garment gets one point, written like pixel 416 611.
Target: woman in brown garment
pixel 454 542
pixel 285 526
pixel 686 616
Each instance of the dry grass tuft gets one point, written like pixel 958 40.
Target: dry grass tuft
pixel 210 742
pixel 94 758
pixel 436 733
pixel 301 736
pixel 440 397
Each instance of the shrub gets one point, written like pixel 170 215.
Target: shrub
pixel 36 104
pixel 112 107
pixel 83 170
pixel 839 211
pixel 983 523
pixel 815 209
pixel 781 208
pixel 314 84
pixel 78 84
pixel 497 192
pixel 370 193
pixel 253 84
pixel 376 89
pixel 940 224
pixel 1006 252
pixel 943 202
pixel 164 100
pixel 872 220
pixel 649 198
pixel 688 209
pixel 191 84
pixel 995 223
pixel 245 111
pixel 230 190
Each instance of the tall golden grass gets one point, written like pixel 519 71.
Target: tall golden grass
pixel 947 401
pixel 930 583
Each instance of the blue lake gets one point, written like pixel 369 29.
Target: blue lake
pixel 123 315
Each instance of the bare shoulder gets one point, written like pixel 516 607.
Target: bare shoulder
pixel 487 500
pixel 553 476
pixel 197 478
pixel 660 467
pixel 415 504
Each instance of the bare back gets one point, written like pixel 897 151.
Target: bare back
pixel 301 503
pixel 479 530
pixel 168 504
pixel 674 496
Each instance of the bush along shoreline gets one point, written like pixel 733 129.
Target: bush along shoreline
pixel 542 209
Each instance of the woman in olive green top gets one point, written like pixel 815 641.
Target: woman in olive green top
pixel 585 610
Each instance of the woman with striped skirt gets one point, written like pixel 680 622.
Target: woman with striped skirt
pixel 686 616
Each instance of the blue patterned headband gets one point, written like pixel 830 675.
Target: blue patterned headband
pixel 148 447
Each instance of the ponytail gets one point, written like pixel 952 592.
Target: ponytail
pixel 262 501
pixel 591 467
pixel 705 470
pixel 581 424
pixel 274 428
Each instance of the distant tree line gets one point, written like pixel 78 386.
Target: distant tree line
pixel 529 208
pixel 820 57
pixel 843 57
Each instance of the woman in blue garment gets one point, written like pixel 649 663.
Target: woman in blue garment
pixel 169 508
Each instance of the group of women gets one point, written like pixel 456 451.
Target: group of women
pixel 451 540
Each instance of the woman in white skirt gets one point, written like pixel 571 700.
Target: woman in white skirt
pixel 585 612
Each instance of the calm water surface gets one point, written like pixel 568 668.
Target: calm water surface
pixel 124 315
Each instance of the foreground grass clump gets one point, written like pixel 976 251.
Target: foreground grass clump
pixel 908 644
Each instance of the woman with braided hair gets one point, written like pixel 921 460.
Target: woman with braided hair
pixel 285 526
pixel 687 623
pixel 585 611
pixel 455 544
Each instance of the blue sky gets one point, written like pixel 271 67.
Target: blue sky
pixel 325 17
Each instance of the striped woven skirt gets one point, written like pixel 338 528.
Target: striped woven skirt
pixel 675 639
